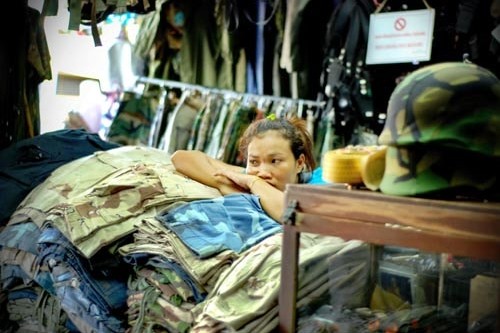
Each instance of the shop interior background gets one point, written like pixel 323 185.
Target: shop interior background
pixel 79 67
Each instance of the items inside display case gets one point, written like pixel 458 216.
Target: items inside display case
pixel 410 291
pixel 433 265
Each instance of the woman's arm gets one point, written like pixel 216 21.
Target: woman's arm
pixel 271 199
pixel 199 166
pixel 228 178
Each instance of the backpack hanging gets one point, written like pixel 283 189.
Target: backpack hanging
pixel 345 81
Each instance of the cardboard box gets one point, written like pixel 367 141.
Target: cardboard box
pixel 483 298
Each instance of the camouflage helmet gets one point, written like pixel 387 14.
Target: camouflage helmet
pixel 443 131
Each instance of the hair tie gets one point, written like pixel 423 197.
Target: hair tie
pixel 271 116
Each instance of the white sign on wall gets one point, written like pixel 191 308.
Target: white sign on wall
pixel 397 37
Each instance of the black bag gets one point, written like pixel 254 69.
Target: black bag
pixel 345 80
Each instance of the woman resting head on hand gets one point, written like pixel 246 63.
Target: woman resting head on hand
pixel 276 151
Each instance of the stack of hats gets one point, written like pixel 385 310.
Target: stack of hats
pixel 443 133
pixel 349 165
pixel 441 138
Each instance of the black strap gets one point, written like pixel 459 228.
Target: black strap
pixel 266 20
pixel 352 39
pixel 232 16
pixel 348 29
pixel 342 17
pixel 337 25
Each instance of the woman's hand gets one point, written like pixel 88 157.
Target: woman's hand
pixel 270 197
pixel 200 167
pixel 228 179
pixel 238 179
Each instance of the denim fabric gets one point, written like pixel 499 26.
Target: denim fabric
pixel 94 303
pixel 20 236
pixel 26 292
pixel 18 266
pixel 18 253
pixel 233 222
pixel 11 275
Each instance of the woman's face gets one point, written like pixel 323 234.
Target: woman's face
pixel 270 157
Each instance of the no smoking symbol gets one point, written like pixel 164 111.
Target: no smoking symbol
pixel 399 24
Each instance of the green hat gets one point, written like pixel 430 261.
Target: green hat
pixel 443 132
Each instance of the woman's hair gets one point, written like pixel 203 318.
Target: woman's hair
pixel 293 129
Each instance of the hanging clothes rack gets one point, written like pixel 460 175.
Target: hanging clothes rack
pixel 283 103
pixel 181 85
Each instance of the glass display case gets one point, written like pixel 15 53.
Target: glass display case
pixel 403 264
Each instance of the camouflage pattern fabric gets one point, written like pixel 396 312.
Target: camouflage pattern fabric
pixel 245 298
pixel 35 310
pixel 161 315
pixel 141 179
pixel 453 105
pixel 443 132
pixel 440 173
pixel 72 178
pixel 153 238
pixel 109 209
pixel 132 123
pixel 233 222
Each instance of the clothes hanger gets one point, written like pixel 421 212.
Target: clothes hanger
pixel 380 5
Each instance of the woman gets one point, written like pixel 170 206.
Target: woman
pixel 277 152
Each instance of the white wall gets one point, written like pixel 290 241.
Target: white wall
pixel 71 53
